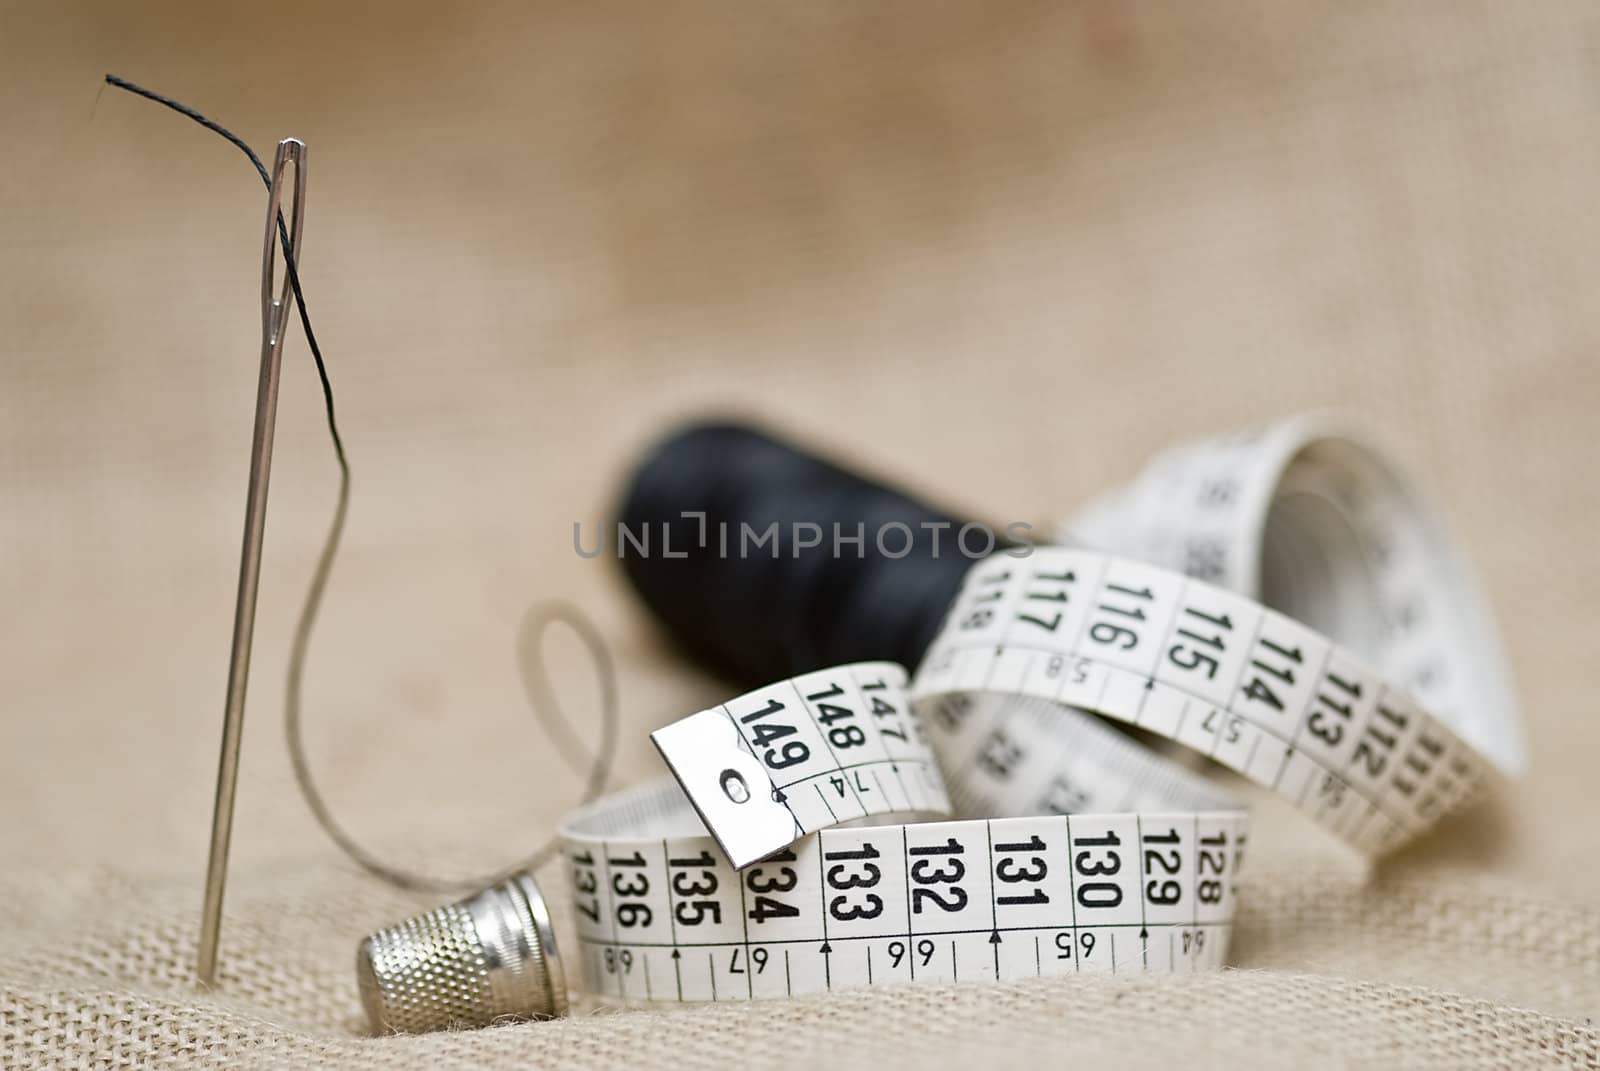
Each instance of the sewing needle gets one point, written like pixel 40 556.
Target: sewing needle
pixel 274 318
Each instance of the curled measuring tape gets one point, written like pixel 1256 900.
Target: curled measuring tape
pixel 1190 662
pixel 1027 890
pixel 1316 525
pixel 1278 602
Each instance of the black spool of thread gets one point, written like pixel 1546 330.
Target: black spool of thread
pixel 758 612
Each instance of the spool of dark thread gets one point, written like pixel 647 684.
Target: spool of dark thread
pixel 769 613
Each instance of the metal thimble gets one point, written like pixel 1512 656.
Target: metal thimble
pixel 489 957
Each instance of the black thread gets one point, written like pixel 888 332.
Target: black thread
pixel 285 243
pixel 594 768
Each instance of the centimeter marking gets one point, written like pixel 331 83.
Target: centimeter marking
pixel 1000 893
pixel 1200 509
pixel 625 970
pixel 802 755
pixel 1413 767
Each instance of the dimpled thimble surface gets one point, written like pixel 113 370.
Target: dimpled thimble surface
pixel 487 958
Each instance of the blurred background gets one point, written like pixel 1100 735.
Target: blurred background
pixel 998 253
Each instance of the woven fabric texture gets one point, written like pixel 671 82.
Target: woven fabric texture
pixel 1000 253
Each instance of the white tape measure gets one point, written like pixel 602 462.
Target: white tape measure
pixel 663 914
pixel 1213 671
pixel 1086 851
pixel 1322 529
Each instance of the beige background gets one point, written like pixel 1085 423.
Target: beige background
pixel 1000 252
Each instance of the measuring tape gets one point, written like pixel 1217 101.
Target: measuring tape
pixel 1375 733
pixel 1308 520
pixel 1278 602
pixel 1216 672
pixel 663 914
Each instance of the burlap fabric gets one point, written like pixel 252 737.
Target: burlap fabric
pixel 1001 252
